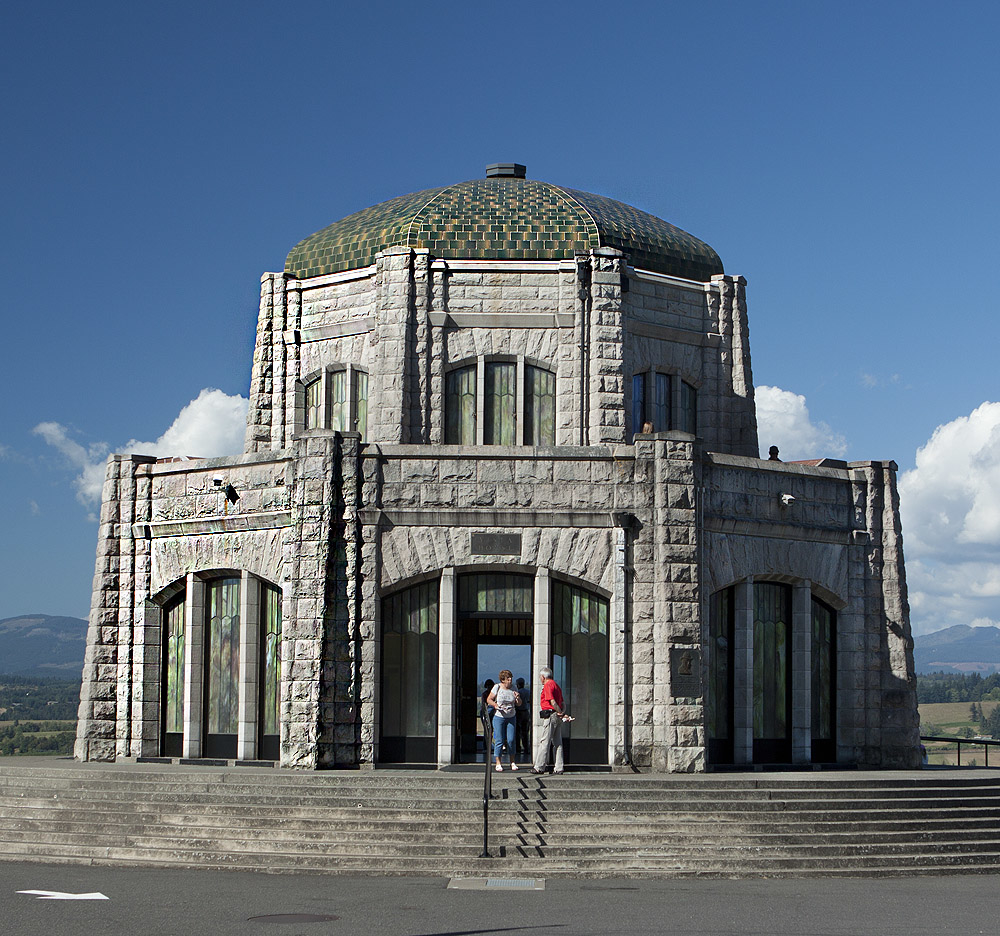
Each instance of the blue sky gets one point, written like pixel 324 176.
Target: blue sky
pixel 158 158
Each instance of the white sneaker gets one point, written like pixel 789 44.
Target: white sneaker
pixel 499 768
pixel 513 766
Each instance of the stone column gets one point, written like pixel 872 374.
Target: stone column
pixel 802 673
pixel 541 640
pixel 447 634
pixel 194 664
pixel 743 673
pixel 246 731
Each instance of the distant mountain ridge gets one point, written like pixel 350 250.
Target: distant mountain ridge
pixel 43 645
pixel 959 649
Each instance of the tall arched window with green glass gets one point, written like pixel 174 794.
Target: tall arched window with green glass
pixel 539 406
pixel 500 416
pixel 172 678
pixel 460 406
pixel 410 675
pixel 580 666
pixel 269 744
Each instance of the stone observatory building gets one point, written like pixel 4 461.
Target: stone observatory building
pixel 500 420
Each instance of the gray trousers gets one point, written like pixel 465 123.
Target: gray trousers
pixel 551 734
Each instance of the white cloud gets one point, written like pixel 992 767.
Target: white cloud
pixel 783 420
pixel 951 523
pixel 211 424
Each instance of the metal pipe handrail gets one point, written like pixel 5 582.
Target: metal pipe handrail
pixel 987 743
pixel 487 784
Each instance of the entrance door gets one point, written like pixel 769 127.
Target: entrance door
pixel 484 648
pixel 580 667
pixel 772 673
pixel 222 667
pixel 495 625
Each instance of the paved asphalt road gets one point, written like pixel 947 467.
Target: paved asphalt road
pixel 148 902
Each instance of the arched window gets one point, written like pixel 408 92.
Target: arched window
pixel 335 398
pixel 491 417
pixel 539 406
pixel 663 402
pixel 460 406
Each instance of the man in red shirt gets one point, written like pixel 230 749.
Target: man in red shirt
pixel 551 710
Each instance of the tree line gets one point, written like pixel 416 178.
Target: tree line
pixel 958 687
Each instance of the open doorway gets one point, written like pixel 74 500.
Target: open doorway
pixel 485 648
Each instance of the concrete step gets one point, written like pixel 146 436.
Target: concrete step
pixel 428 822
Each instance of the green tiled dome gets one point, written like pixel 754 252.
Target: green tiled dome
pixel 503 218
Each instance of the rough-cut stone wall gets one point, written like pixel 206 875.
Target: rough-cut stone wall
pixel 109 693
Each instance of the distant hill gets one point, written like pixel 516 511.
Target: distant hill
pixel 43 645
pixel 958 649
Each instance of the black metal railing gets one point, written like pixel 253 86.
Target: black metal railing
pixel 487 783
pixel 987 743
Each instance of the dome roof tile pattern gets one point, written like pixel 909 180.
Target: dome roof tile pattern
pixel 503 218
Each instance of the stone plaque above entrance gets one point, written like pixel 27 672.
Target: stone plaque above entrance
pixel 496 544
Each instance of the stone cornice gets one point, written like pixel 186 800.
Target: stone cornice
pixel 481 519
pixel 234 523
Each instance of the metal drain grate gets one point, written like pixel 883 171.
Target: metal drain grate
pixel 497 883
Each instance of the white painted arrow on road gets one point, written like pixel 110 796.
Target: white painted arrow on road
pixel 59 895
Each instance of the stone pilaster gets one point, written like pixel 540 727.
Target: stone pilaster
pixel 734 326
pixel 606 377
pixel 390 343
pixel 259 413
pixel 308 562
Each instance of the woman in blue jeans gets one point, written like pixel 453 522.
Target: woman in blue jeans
pixel 505 701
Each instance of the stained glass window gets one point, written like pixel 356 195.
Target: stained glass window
pixel 410 662
pixel 460 406
pixel 580 657
pixel 490 593
pixel 270 632
pixel 638 402
pixel 539 406
pixel 771 633
pixel 720 675
pixel 338 401
pixel 361 404
pixel 661 403
pixel 500 402
pixel 313 403
pixel 222 657
pixel 688 408
pixel 173 670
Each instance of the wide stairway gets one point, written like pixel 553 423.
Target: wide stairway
pixel 431 822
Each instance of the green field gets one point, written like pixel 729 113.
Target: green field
pixel 37 737
pixel 952 719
